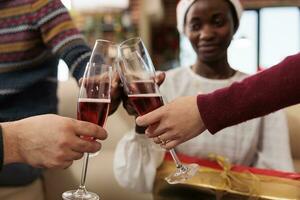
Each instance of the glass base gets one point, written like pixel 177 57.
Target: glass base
pixel 182 173
pixel 79 195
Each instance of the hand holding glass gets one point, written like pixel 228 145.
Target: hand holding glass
pixel 93 103
pixel 137 74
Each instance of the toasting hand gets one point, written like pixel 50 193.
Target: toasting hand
pixel 175 122
pixel 49 141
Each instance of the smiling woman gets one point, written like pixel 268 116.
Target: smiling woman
pixel 210 28
pixel 254 48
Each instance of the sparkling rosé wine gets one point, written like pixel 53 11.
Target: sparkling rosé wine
pixel 144 103
pixel 142 87
pixel 93 110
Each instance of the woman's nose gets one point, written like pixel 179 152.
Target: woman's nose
pixel 206 33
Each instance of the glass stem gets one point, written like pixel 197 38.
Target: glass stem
pixel 84 171
pixel 175 158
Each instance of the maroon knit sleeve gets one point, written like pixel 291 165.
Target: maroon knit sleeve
pixel 257 95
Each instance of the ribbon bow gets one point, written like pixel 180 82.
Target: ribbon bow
pixel 235 181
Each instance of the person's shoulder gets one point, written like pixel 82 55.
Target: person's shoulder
pixel 240 75
pixel 178 71
pixel 175 75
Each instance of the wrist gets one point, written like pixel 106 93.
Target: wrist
pixel 11 153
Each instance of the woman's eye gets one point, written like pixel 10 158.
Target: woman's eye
pixel 195 27
pixel 218 21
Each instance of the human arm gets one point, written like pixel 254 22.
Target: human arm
pixel 257 95
pixel 48 141
pixel 274 150
pixel 135 162
pixel 61 36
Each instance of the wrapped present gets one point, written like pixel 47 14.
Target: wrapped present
pixel 218 180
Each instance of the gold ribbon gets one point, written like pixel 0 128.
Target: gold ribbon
pixel 232 181
pixel 224 183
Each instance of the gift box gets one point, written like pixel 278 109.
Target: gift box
pixel 217 179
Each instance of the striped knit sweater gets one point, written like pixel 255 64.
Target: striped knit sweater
pixel 34 34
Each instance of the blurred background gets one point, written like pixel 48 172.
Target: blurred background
pixel 269 30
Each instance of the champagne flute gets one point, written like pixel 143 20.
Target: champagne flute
pixel 137 74
pixel 93 103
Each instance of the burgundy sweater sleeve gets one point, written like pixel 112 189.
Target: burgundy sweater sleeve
pixel 255 96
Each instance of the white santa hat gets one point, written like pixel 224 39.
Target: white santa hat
pixel 184 5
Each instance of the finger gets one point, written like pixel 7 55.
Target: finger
pixel 66 165
pixel 115 83
pixel 150 118
pixel 170 144
pixel 128 106
pixel 61 165
pixel 165 133
pixel 155 130
pixel 77 155
pixel 164 138
pixel 156 140
pixel 72 155
pixel 159 79
pixel 115 99
pixel 88 129
pixel 116 94
pixel 82 146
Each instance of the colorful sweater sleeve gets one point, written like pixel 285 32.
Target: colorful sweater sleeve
pixel 257 95
pixel 61 35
